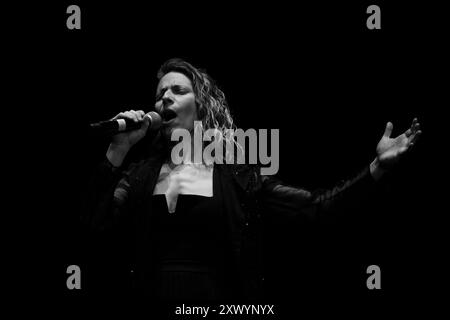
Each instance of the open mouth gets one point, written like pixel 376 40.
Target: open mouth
pixel 168 115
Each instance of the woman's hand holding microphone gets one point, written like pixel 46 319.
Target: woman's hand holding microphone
pixel 121 143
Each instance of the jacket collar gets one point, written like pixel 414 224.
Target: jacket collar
pixel 241 173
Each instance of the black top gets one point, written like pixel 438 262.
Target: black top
pixel 244 196
pixel 190 247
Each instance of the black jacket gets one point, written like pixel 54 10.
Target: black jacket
pixel 121 200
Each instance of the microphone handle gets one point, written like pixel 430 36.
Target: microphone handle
pixel 115 126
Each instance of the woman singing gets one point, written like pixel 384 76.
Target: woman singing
pixel 194 229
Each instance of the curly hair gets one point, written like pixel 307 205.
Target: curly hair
pixel 212 106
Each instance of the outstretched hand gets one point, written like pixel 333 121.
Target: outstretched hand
pixel 389 150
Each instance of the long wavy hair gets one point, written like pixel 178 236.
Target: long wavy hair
pixel 212 106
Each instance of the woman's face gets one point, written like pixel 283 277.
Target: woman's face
pixel 175 100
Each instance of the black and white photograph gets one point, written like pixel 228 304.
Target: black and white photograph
pixel 263 160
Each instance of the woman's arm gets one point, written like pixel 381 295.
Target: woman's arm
pixel 278 197
pixel 106 197
pixel 109 189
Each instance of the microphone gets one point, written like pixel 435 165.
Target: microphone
pixel 112 127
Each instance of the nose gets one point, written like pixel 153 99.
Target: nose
pixel 167 99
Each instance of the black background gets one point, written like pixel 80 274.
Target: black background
pixel 314 71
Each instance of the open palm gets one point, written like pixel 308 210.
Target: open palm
pixel 389 150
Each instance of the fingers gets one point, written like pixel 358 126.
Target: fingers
pixel 136 116
pixel 414 138
pixel 414 132
pixel 415 127
pixel 388 130
pixel 408 133
pixel 140 115
pixel 146 122
pixel 132 115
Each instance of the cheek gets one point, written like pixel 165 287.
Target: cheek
pixel 191 108
pixel 158 107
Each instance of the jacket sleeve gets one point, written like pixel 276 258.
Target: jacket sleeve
pixel 107 198
pixel 279 198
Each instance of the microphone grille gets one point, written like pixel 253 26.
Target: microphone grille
pixel 155 119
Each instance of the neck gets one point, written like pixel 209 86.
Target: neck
pixel 187 154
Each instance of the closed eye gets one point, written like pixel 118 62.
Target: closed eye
pixel 176 89
pixel 179 89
